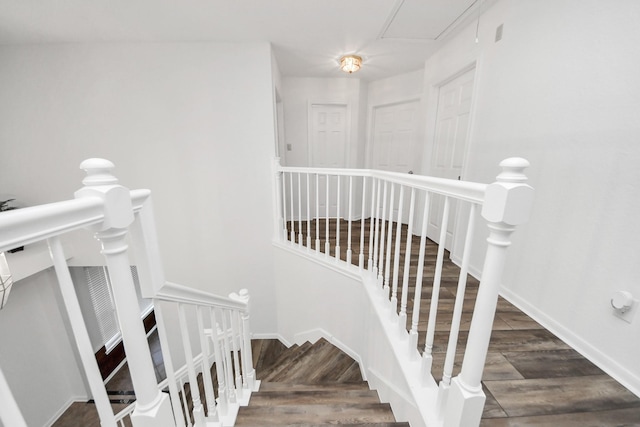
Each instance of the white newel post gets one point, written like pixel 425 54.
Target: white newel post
pixel 507 204
pixel 153 408
pixel 247 357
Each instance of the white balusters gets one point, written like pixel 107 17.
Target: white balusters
pixel 206 357
pixel 349 251
pixel 318 213
pixel 384 203
pixel 293 220
pixel 387 266
pixel 223 393
pixel 337 248
pixel 435 292
pixel 382 236
pixel 284 206
pixel 362 223
pixel 233 335
pixel 407 265
pixel 198 410
pixel 396 259
pixel 376 237
pixel 300 239
pixel 457 309
pixel 327 245
pixel 372 220
pixel 179 415
pixel 417 298
pixel 308 213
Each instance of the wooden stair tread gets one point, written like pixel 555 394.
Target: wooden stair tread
pixel 383 424
pixel 280 386
pixel 339 413
pixel 288 357
pixel 316 397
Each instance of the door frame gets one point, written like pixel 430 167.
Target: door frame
pixel 333 103
pixel 369 143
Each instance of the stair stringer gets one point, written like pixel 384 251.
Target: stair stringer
pixel 319 298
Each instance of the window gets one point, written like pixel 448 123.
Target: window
pixel 104 307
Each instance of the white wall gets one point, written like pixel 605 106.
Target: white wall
pixel 33 311
pixel 174 118
pixel 562 90
pixel 297 93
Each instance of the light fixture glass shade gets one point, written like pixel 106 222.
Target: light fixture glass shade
pixel 350 63
pixel 5 280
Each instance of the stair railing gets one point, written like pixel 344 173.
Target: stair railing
pixel 319 210
pixel 223 341
pixel 112 212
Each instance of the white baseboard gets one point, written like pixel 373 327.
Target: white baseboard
pixel 272 336
pixel 604 362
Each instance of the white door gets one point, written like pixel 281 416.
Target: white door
pixel 450 146
pixel 394 143
pixel 328 149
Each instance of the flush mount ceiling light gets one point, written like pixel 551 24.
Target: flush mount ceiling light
pixel 350 63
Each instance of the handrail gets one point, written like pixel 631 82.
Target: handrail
pixel 174 292
pixel 28 225
pixel 464 190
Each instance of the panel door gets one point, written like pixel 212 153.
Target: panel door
pixel 328 148
pixel 450 146
pixel 394 143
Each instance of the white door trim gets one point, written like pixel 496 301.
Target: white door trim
pixel 310 104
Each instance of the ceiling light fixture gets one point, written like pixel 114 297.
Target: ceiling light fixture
pixel 350 63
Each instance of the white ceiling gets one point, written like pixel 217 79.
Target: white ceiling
pixel 308 36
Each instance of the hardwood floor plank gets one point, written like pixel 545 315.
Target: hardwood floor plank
pixel 551 364
pixel 497 367
pixel 629 417
pixel 561 395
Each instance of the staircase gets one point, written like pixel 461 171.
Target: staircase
pixel 311 384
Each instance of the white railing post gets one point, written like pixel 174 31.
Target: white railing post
pixel 247 357
pixel 153 407
pixel 79 328
pixel 507 204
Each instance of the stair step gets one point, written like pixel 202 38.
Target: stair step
pixel 313 397
pixel 342 413
pixel 295 361
pixel 276 386
pixel 387 424
pixel 288 357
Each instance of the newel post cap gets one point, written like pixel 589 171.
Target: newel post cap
pixel 510 198
pixel 100 182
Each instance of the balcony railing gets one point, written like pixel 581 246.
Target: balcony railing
pixel 370 222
